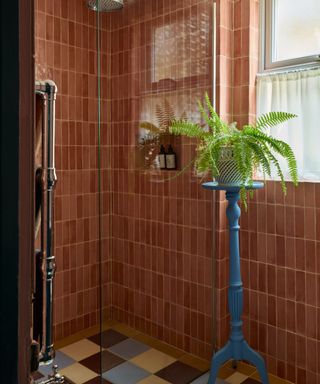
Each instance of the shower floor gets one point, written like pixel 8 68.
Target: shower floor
pixel 130 357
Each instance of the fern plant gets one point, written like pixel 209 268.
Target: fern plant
pixel 251 146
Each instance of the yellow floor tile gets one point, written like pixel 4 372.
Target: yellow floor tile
pixel 81 349
pixel 78 373
pixel 195 362
pixel 236 378
pixel 153 380
pixel 152 360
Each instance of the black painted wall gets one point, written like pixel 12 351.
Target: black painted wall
pixel 9 172
pixel 16 115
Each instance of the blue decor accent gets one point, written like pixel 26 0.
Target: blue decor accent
pixel 236 348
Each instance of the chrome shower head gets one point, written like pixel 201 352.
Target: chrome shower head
pixel 105 5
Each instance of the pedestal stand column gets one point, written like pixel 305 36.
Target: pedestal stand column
pixel 236 348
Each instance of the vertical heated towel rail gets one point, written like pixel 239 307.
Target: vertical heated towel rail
pixel 46 179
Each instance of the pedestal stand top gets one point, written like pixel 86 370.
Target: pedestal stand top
pixel 215 186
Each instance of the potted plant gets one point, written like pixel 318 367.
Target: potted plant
pixel 232 155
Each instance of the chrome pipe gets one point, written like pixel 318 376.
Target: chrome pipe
pixel 48 91
pixel 48 352
pixel 39 328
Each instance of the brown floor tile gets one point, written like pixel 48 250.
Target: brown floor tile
pixel 242 367
pixel 195 362
pixel 108 360
pixel 108 338
pixel 179 373
pixel 251 381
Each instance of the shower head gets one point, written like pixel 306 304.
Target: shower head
pixel 105 5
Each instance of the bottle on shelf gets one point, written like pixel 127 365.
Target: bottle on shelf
pixel 162 157
pixel 171 158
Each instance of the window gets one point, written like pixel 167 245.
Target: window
pixel 291 33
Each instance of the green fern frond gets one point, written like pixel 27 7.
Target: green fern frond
pixel 272 119
pixel 259 156
pixel 215 119
pixel 186 128
pixel 252 146
pixel 204 161
pixel 281 148
pixel 204 114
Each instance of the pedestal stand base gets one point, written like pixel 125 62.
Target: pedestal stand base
pixel 237 351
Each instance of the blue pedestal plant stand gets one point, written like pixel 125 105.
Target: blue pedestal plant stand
pixel 236 348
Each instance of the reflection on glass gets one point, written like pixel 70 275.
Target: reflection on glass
pixel 154 133
pixel 178 45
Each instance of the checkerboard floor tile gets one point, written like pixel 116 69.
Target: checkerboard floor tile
pixel 108 338
pixel 126 373
pixel 102 361
pixel 129 348
pixel 153 360
pixel 138 359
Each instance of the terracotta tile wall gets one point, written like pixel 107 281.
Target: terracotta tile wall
pixel 281 269
pixel 161 231
pixel 279 242
pixel 66 53
pixel 224 105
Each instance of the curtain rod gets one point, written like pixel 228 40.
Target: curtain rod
pixel 287 71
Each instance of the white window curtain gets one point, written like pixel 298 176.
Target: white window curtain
pixel 296 92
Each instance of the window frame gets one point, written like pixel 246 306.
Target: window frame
pixel 267 10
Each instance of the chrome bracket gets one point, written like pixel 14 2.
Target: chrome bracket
pixel 54 378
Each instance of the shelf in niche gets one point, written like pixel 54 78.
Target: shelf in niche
pixel 145 159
